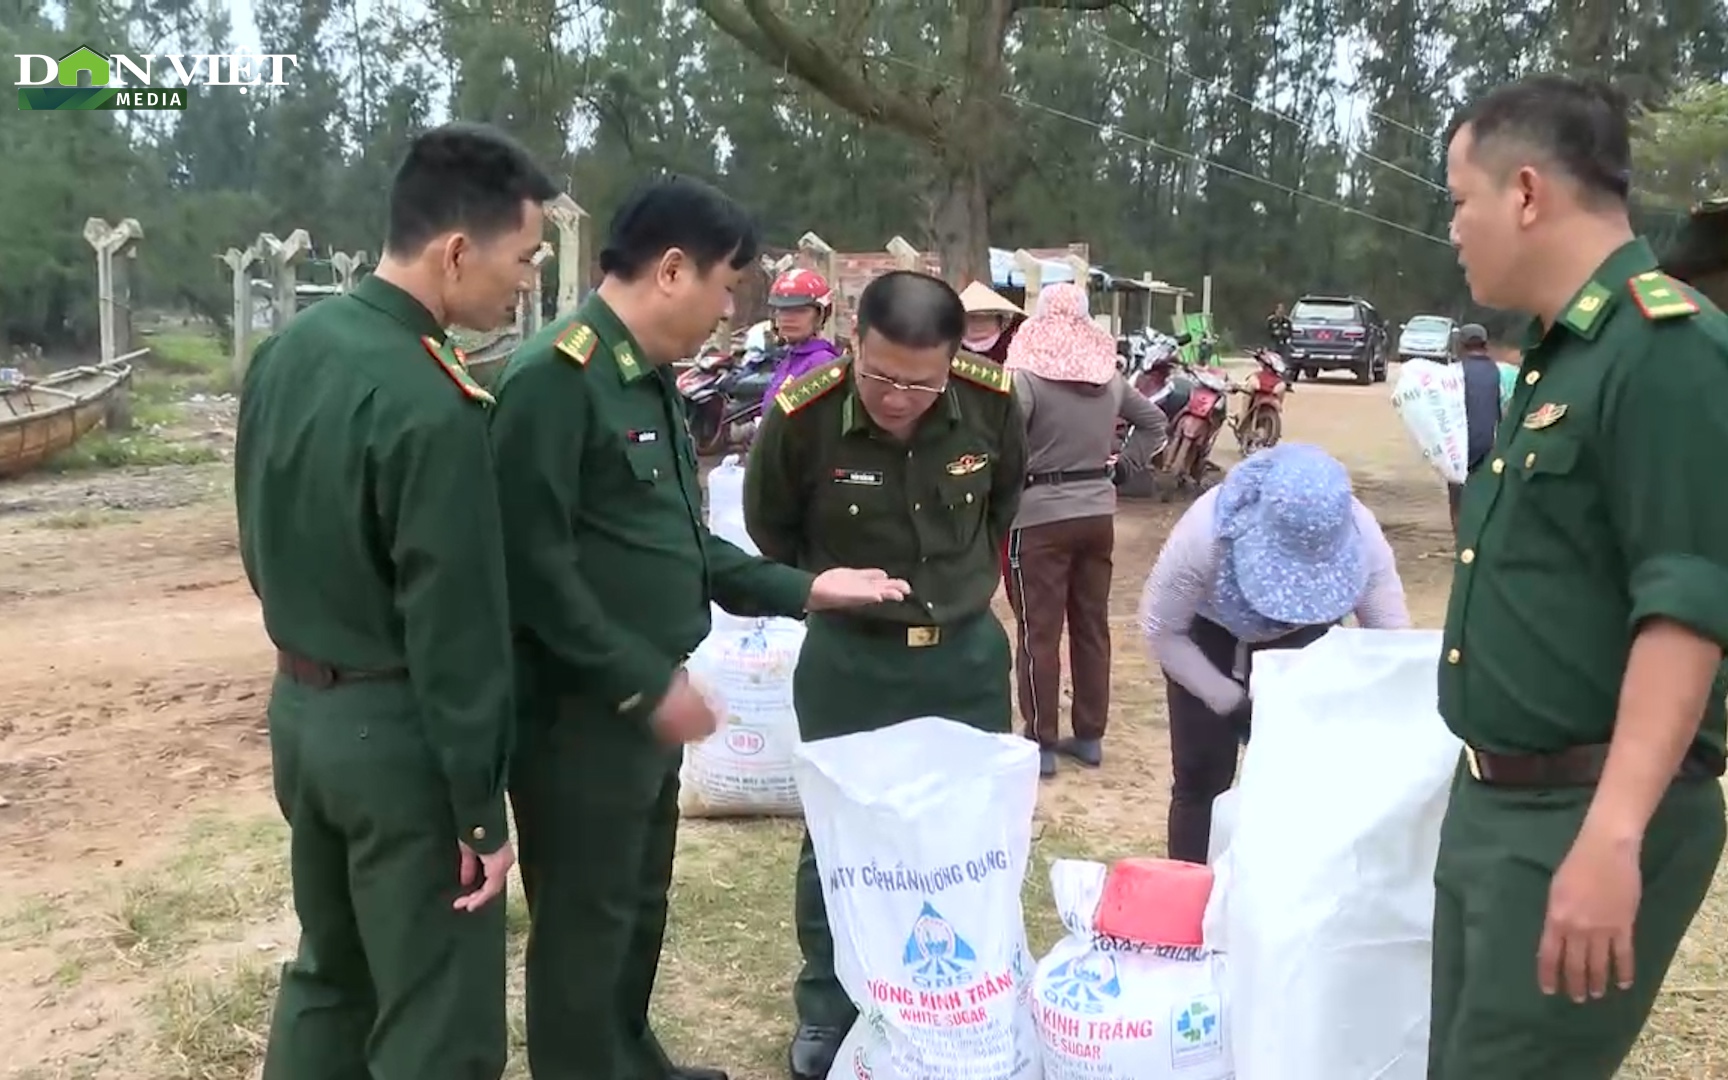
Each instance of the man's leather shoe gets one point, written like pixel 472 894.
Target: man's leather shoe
pixel 697 1072
pixel 812 1052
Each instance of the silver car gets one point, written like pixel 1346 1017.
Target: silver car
pixel 1427 337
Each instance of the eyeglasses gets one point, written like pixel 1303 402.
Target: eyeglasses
pixel 904 388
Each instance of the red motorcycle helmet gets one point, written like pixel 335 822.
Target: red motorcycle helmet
pixel 798 288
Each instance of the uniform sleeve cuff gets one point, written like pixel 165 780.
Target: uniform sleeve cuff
pixel 1688 589
pixel 786 590
pixel 642 692
pixel 482 824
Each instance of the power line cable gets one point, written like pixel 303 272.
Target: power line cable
pixel 1306 125
pixel 1109 132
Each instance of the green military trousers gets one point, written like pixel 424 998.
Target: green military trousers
pixel 851 679
pixel 1499 849
pixel 391 983
pixel 596 803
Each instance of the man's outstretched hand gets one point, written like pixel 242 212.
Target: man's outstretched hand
pixel 845 587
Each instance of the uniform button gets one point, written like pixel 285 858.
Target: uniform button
pixel 656 474
pixel 968 496
pixel 1467 556
pixel 1499 466
pixel 1530 459
pixel 1530 377
pixel 1453 656
pixel 917 506
pixel 478 833
pixel 853 509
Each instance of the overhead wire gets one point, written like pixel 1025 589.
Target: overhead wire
pixel 1306 125
pixel 1111 131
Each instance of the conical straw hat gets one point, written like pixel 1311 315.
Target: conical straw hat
pixel 979 298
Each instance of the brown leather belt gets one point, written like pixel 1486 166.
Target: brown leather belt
pixel 322 676
pixel 1577 766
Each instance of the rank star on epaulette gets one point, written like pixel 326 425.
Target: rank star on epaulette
pixel 577 342
pixel 1585 310
pixel 981 372
pixel 802 391
pixel 451 360
pixel 1659 297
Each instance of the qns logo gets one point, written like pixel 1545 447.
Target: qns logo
pixel 936 956
pixel 1086 985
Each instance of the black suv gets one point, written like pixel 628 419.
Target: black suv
pixel 1338 333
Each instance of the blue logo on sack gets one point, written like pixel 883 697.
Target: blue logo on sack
pixel 1197 1031
pixel 1085 984
pixel 936 956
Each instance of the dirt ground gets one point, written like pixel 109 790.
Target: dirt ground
pixel 143 898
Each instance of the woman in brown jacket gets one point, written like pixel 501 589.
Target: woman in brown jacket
pixel 1059 551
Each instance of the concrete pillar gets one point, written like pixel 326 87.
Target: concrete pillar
pixel 239 262
pixel 1031 266
pixel 116 256
pixel 567 218
pixel 280 257
pixel 348 266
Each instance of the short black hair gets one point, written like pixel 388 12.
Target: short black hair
pixel 1581 126
pixel 677 212
pixel 914 310
pixel 467 177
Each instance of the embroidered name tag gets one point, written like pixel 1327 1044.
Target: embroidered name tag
pixel 637 438
pixel 1547 416
pixel 858 477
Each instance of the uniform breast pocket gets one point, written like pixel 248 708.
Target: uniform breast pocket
pixel 853 499
pixel 651 461
pixel 964 491
pixel 1556 488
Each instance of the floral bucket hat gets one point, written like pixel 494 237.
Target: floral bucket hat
pixel 1060 341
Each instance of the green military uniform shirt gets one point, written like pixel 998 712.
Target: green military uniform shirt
pixel 826 487
pixel 369 530
pixel 611 564
pixel 1598 507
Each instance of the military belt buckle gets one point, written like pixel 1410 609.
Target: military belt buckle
pixel 922 637
pixel 1473 762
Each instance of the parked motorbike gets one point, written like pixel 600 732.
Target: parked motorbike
pixel 722 395
pixel 1260 423
pixel 1194 398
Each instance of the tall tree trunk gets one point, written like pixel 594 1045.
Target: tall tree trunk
pixel 961 221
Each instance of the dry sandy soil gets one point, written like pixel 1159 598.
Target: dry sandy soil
pixel 143 904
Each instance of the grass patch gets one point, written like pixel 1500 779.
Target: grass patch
pixel 228 874
pixel 213 1027
pixel 107 450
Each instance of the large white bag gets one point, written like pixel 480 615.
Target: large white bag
pixel 1326 890
pixel 744 769
pixel 922 832
pixel 1429 398
pixel 745 667
pixel 1109 1009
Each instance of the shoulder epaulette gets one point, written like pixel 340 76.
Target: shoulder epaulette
pixel 455 365
pixel 982 371
pixel 1659 296
pixel 577 342
pixel 807 388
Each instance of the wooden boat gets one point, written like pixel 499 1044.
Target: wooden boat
pixel 40 418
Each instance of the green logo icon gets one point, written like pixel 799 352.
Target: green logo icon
pixel 72 93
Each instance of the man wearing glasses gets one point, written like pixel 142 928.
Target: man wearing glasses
pixel 911 457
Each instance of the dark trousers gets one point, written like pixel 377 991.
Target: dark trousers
pixel 851 680
pixel 1061 570
pixel 596 805
pixel 390 982
pixel 1454 495
pixel 1203 745
pixel 1499 849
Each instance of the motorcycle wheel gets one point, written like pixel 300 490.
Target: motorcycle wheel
pixel 1261 429
pixel 706 430
pixel 1178 459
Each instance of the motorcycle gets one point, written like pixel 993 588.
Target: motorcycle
pixel 1194 398
pixel 722 395
pixel 1260 424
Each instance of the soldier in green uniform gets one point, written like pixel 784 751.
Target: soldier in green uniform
pixel 611 572
pixel 913 454
pixel 1589 609
pixel 369 529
